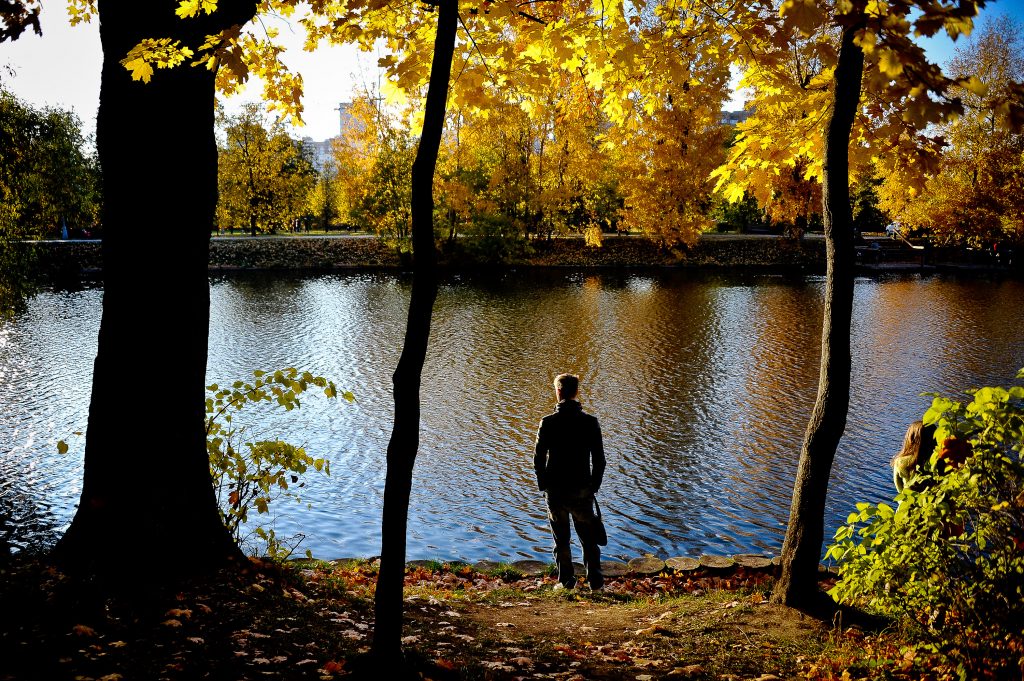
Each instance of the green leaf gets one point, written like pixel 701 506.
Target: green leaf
pixel 62 447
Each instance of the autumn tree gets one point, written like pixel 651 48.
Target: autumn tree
pixel 49 182
pixel 153 496
pixel 323 203
pixel 976 196
pixel 515 173
pixel 664 108
pixel 374 157
pixel 404 442
pixel 264 176
pixel 777 155
pixel 49 176
pixel 462 179
pixel 875 94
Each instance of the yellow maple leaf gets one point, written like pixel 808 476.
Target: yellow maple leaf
pixel 140 68
pixel 804 14
pixel 973 85
pixel 889 62
pixel 733 192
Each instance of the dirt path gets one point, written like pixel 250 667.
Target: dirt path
pixel 548 634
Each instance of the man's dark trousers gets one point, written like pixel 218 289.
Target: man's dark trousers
pixel 580 507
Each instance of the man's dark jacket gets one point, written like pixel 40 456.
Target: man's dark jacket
pixel 568 442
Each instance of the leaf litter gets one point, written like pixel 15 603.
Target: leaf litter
pixel 311 620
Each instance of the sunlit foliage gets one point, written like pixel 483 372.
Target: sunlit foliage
pixel 264 176
pixel 976 196
pixel 789 58
pixel 949 557
pixel 249 471
pixel 374 160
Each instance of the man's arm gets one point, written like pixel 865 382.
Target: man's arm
pixel 540 457
pixel 597 457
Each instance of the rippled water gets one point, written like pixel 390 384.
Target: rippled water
pixel 703 385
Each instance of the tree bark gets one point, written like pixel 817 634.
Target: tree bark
pixel 404 442
pixel 147 497
pixel 797 585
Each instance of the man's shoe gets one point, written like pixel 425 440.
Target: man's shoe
pixel 560 587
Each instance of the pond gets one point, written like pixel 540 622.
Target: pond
pixel 703 385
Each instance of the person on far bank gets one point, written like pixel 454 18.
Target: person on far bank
pixel 569 462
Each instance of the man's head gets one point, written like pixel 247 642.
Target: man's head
pixel 567 386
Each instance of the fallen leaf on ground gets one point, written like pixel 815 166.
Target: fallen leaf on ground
pixel 82 630
pixel 174 624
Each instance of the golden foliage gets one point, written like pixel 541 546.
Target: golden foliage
pixel 974 191
pixel 788 60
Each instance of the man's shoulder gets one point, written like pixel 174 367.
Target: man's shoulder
pixel 569 417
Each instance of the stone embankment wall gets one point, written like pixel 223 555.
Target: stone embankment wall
pixel 75 258
pixel 710 252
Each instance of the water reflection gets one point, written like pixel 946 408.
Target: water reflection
pixel 703 386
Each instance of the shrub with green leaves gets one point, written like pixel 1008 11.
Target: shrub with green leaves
pixel 949 559
pixel 250 473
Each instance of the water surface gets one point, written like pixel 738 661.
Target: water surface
pixel 703 386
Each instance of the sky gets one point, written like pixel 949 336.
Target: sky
pixel 62 68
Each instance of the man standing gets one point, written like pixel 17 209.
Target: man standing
pixel 569 462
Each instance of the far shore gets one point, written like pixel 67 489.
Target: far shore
pixel 876 254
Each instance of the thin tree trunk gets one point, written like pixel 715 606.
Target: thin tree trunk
pixel 147 497
pixel 404 442
pixel 797 585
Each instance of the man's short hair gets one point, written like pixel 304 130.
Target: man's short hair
pixel 568 384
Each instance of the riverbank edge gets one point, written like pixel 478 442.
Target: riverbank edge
pixel 642 566
pixel 83 258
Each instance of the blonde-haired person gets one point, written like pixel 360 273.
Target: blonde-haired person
pixel 918 445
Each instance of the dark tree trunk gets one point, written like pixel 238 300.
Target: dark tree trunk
pixel 404 442
pixel 146 495
pixel 798 584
